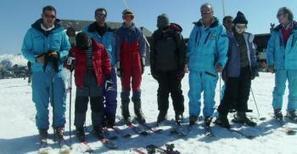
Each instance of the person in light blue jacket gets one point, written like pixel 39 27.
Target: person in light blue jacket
pixel 46 46
pixel 207 54
pixel 282 60
pixel 102 33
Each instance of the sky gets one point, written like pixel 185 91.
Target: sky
pixel 18 15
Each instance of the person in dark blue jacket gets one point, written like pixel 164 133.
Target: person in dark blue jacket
pixel 282 60
pixel 240 69
pixel 46 46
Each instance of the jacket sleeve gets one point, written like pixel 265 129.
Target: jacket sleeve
pixel 65 47
pixel 222 48
pixel 117 46
pixel 253 52
pixel 181 45
pixel 27 47
pixel 113 50
pixel 152 53
pixel 142 44
pixel 191 42
pixel 270 49
pixel 106 65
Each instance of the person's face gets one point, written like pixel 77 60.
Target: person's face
pixel 100 17
pixel 128 18
pixel 240 28
pixel 282 17
pixel 228 24
pixel 48 18
pixel 206 13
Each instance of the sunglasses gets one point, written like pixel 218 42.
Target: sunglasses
pixel 49 16
pixel 205 13
pixel 101 15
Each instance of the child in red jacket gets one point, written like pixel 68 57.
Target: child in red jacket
pixel 92 66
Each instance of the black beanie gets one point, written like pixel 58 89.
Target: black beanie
pixel 162 21
pixel 240 18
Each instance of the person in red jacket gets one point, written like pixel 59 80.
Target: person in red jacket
pixel 91 65
pixel 130 49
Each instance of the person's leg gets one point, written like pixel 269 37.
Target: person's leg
pixel 244 90
pixel 40 97
pixel 136 83
pixel 59 102
pixel 292 104
pixel 279 89
pixel 194 94
pixel 209 86
pixel 163 94
pixel 81 107
pixel 176 94
pixel 97 108
pixel 230 96
pixel 125 94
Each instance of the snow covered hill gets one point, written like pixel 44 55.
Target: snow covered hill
pixel 14 59
pixel 18 133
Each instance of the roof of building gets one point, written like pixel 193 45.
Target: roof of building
pixel 78 25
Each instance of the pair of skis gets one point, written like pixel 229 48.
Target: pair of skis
pixel 44 148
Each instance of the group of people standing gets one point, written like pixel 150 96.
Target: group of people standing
pixel 99 54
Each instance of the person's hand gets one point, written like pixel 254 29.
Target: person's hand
pixel 53 54
pixel 70 63
pixel 219 68
pixel 40 59
pixel 271 69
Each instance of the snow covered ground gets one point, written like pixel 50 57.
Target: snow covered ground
pixel 18 133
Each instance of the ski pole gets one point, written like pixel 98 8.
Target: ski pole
pixel 70 101
pixel 258 112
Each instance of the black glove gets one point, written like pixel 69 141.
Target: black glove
pixel 52 57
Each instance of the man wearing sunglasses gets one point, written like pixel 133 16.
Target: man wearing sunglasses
pixel 47 42
pixel 102 33
pixel 131 47
pixel 240 69
pixel 282 60
pixel 207 52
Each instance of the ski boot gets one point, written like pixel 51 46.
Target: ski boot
pixel 138 112
pixel 80 134
pixel 193 120
pixel 292 115
pixel 223 121
pixel 161 117
pixel 278 115
pixel 241 118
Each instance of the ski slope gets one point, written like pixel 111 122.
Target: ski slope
pixel 18 133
